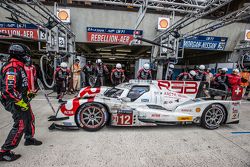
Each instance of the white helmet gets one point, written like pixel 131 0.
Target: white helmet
pixel 202 67
pixel 63 65
pixel 224 69
pixel 236 70
pixel 171 66
pixel 118 65
pixel 98 61
pixel 192 72
pixel 146 66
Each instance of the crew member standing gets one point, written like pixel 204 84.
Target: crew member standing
pixel 144 73
pixel 76 70
pixel 201 74
pixel 221 80
pixel 245 78
pixel 61 77
pixel 170 72
pixel 234 79
pixel 117 75
pixel 184 76
pixel 15 98
pixel 100 71
pixel 88 71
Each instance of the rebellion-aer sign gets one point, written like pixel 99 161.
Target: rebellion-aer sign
pixel 113 36
pixel 23 30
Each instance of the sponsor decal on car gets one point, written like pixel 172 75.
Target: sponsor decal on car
pixel 185 87
pixel 186 110
pixel 144 100
pixel 185 118
pixel 156 115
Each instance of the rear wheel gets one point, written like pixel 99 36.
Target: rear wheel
pixel 91 117
pixel 213 116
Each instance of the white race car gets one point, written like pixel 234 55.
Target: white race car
pixel 148 103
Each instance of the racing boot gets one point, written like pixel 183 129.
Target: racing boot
pixel 32 141
pixel 9 156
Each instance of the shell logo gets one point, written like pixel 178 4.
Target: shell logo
pixel 248 35
pixel 164 23
pixel 63 15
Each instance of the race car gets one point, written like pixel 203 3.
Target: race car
pixel 148 103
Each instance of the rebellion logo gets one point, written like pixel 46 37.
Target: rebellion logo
pixel 185 87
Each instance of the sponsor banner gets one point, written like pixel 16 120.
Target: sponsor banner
pixel 23 30
pixel 247 35
pixel 163 23
pixel 114 36
pixel 205 43
pixel 64 15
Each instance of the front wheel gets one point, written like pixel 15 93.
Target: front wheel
pixel 91 116
pixel 213 116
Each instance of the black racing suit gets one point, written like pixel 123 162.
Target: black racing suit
pixel 88 71
pixel 117 76
pixel 61 78
pixel 14 87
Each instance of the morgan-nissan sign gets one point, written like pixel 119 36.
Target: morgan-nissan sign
pixel 113 36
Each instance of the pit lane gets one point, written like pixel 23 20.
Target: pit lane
pixel 178 146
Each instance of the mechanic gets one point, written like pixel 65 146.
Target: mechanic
pixel 245 78
pixel 76 70
pixel 193 74
pixel 61 77
pixel 209 76
pixel 144 73
pixel 201 74
pixel 88 71
pixel 184 76
pixel 117 75
pixel 221 81
pixel 234 79
pixel 16 99
pixel 100 71
pixel 170 73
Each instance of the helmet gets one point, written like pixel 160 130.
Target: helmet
pixel 20 52
pixel 98 61
pixel 146 66
pixel 89 62
pixel 171 66
pixel 77 60
pixel 118 66
pixel 63 65
pixel 202 67
pixel 236 70
pixel 224 69
pixel 192 72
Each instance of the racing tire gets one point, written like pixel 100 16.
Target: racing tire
pixel 213 116
pixel 91 116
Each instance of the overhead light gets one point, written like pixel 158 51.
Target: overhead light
pixel 148 52
pixel 105 50
pixel 121 54
pixel 123 50
pixel 112 58
pixel 104 53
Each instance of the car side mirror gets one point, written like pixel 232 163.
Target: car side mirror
pixel 126 99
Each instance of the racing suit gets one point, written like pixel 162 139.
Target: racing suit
pixel 15 89
pixel 201 76
pixel 88 70
pixel 185 76
pixel 76 70
pixel 32 77
pixel 144 75
pixel 117 76
pixel 61 78
pixel 100 72
pixel 245 78
pixel 234 81
pixel 170 74
pixel 221 82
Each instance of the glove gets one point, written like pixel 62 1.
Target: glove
pixel 24 106
pixel 31 95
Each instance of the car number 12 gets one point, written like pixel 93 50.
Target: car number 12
pixel 124 119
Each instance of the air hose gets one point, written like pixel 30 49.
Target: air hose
pixel 43 73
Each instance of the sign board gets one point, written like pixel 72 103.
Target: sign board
pixel 22 30
pixel 163 23
pixel 247 35
pixel 204 43
pixel 64 15
pixel 61 42
pixel 113 36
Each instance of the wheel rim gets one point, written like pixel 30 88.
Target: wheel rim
pixel 92 117
pixel 214 116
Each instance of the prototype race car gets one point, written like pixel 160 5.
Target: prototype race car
pixel 148 103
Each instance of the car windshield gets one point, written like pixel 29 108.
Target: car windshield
pixel 114 93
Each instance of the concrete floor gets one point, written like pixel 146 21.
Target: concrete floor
pixel 176 146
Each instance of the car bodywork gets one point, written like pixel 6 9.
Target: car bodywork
pixel 148 103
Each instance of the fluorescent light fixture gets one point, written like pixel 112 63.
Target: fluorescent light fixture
pixel 121 54
pixel 123 50
pixel 103 53
pixel 104 50
pixel 112 58
pixel 148 51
